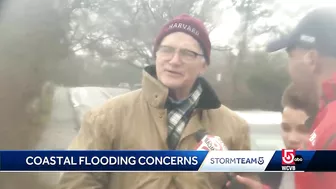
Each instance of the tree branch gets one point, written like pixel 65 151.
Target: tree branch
pixel 90 43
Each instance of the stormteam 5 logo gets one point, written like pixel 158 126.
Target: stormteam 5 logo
pixel 290 159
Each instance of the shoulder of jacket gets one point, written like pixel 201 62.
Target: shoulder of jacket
pixel 116 104
pixel 331 107
pixel 326 117
pixel 123 99
pixel 228 112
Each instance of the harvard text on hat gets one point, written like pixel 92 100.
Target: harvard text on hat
pixel 184 26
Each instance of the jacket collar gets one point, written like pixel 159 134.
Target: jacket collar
pixel 328 95
pixel 328 91
pixel 156 93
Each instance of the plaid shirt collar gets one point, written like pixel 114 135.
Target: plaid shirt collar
pixel 179 115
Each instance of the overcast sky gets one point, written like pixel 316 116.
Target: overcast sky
pixel 230 19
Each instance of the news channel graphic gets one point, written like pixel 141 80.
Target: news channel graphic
pixel 119 161
pixel 303 161
pixel 162 161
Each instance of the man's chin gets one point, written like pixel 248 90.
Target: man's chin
pixel 304 86
pixel 292 147
pixel 173 84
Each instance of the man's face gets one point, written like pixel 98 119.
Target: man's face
pixel 294 132
pixel 301 68
pixel 179 61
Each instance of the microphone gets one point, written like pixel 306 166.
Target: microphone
pixel 209 142
pixel 214 143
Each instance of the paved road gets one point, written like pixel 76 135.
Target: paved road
pixel 58 133
pixel 62 125
pixel 69 105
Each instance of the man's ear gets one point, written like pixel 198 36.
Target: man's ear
pixel 311 60
pixel 204 68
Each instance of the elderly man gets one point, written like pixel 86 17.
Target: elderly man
pixel 173 104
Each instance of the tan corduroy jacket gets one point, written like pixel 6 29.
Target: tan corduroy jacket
pixel 138 121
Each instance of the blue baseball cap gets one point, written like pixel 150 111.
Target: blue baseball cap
pixel 317 30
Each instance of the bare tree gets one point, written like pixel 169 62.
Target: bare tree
pixel 124 31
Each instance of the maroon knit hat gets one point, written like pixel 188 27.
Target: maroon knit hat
pixel 189 25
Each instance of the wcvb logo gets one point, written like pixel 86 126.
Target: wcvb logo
pixel 289 157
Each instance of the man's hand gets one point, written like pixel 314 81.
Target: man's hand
pixel 250 183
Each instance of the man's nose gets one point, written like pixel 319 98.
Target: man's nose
pixel 293 137
pixel 176 59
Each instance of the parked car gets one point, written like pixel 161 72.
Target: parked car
pixel 85 98
pixel 124 85
pixel 137 86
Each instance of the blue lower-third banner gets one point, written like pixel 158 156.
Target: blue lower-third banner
pixel 101 160
pixel 191 161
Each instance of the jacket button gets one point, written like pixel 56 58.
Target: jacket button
pixel 156 95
